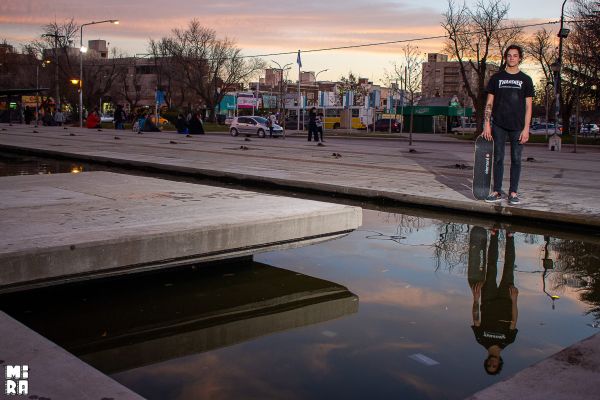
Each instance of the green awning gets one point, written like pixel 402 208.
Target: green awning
pixel 436 110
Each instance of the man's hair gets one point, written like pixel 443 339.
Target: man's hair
pixel 500 364
pixel 514 47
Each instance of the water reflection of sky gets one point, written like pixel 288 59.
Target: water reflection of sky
pixel 411 303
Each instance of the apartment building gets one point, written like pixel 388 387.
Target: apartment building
pixel 443 78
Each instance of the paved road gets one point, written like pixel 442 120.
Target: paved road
pixel 560 187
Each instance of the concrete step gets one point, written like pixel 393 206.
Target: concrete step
pixel 65 227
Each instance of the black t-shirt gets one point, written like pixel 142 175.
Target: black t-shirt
pixel 510 91
pixel 495 329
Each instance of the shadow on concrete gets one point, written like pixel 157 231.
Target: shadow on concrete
pixel 456 176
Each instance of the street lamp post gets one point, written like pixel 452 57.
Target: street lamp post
pixel 547 107
pixel 281 101
pixel 317 82
pixel 556 66
pixel 83 49
pixel 37 89
pixel 323 119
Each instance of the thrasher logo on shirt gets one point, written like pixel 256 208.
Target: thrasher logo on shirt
pixel 494 335
pixel 510 83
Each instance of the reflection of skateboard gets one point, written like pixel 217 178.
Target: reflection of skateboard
pixel 477 254
pixel 482 167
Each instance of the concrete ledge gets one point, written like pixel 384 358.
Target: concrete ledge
pixel 573 373
pixel 72 226
pixel 54 373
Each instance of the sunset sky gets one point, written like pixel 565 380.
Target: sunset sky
pixel 266 26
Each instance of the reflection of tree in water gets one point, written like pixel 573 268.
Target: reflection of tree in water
pixel 451 249
pixel 406 224
pixel 579 263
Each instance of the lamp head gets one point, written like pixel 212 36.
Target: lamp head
pixel 75 81
pixel 83 49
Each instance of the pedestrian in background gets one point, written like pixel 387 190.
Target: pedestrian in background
pixel 28 115
pixel 120 117
pixel 195 125
pixel 312 125
pixel 93 120
pixel 59 117
pixel 181 124
pixel 47 119
pixel 320 126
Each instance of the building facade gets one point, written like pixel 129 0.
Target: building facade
pixel 443 78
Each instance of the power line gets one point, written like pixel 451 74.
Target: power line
pixel 394 41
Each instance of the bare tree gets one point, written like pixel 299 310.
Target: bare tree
pixel 581 63
pixel 127 85
pixel 351 84
pixel 55 39
pixel 210 66
pixel 542 48
pixel 477 38
pixel 99 78
pixel 410 73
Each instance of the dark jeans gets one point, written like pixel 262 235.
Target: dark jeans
pixel 312 132
pixel 491 289
pixel 516 149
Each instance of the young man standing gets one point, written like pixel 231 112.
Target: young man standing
pixel 508 115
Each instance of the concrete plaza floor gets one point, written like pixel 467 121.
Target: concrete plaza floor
pixel 557 187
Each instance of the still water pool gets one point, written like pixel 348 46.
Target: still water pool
pixel 405 307
pixel 385 312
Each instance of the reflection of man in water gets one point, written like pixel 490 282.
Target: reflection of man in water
pixel 495 318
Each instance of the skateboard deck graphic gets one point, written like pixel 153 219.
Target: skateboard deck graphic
pixel 477 254
pixel 482 167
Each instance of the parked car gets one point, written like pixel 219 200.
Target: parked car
pixel 161 120
pixel 107 118
pixel 383 125
pixel 252 125
pixel 540 129
pixel 469 127
pixel 589 129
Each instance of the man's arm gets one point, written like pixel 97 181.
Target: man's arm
pixel 487 117
pixel 525 134
pixel 514 292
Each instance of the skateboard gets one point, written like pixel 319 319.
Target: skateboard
pixel 477 255
pixel 482 167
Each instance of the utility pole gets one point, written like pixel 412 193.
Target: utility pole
pixel 299 62
pixel 556 66
pixel 56 36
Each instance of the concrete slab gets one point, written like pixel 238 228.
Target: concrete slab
pixel 57 228
pixel 53 373
pixel 573 373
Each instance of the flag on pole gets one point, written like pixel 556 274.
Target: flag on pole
pixel 299 60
